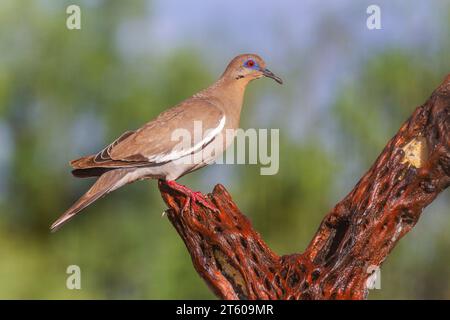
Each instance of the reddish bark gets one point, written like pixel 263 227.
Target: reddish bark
pixel 358 233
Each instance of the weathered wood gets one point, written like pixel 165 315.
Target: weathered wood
pixel 353 239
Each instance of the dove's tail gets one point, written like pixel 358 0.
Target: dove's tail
pixel 107 182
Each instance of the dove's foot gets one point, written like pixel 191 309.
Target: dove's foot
pixel 193 196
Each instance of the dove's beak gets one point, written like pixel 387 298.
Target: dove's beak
pixel 269 74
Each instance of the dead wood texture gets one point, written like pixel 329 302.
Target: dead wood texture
pixel 357 235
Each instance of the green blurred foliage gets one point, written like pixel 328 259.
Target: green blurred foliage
pixel 65 94
pixel 55 87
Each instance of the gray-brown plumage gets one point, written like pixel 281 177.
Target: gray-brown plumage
pixel 154 152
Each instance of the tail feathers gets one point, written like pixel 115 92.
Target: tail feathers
pixel 83 162
pixel 107 182
pixel 91 172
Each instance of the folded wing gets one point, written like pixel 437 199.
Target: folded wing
pixel 175 133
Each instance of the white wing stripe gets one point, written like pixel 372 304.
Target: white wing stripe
pixel 177 154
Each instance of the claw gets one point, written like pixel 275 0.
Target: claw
pixel 192 197
pixel 200 198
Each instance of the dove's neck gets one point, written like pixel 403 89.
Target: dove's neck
pixel 230 95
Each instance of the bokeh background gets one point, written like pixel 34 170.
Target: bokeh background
pixel 64 94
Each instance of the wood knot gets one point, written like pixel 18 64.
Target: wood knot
pixel 427 186
pixel 231 273
pixel 415 152
pixel 315 275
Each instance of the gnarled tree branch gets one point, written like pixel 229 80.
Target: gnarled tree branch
pixel 356 235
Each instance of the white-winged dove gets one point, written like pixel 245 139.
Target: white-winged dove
pixel 151 152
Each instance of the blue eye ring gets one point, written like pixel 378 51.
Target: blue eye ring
pixel 250 63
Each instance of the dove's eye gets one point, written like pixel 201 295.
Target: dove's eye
pixel 250 63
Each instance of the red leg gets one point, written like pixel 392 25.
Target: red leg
pixel 193 196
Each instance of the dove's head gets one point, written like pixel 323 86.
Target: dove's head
pixel 247 67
